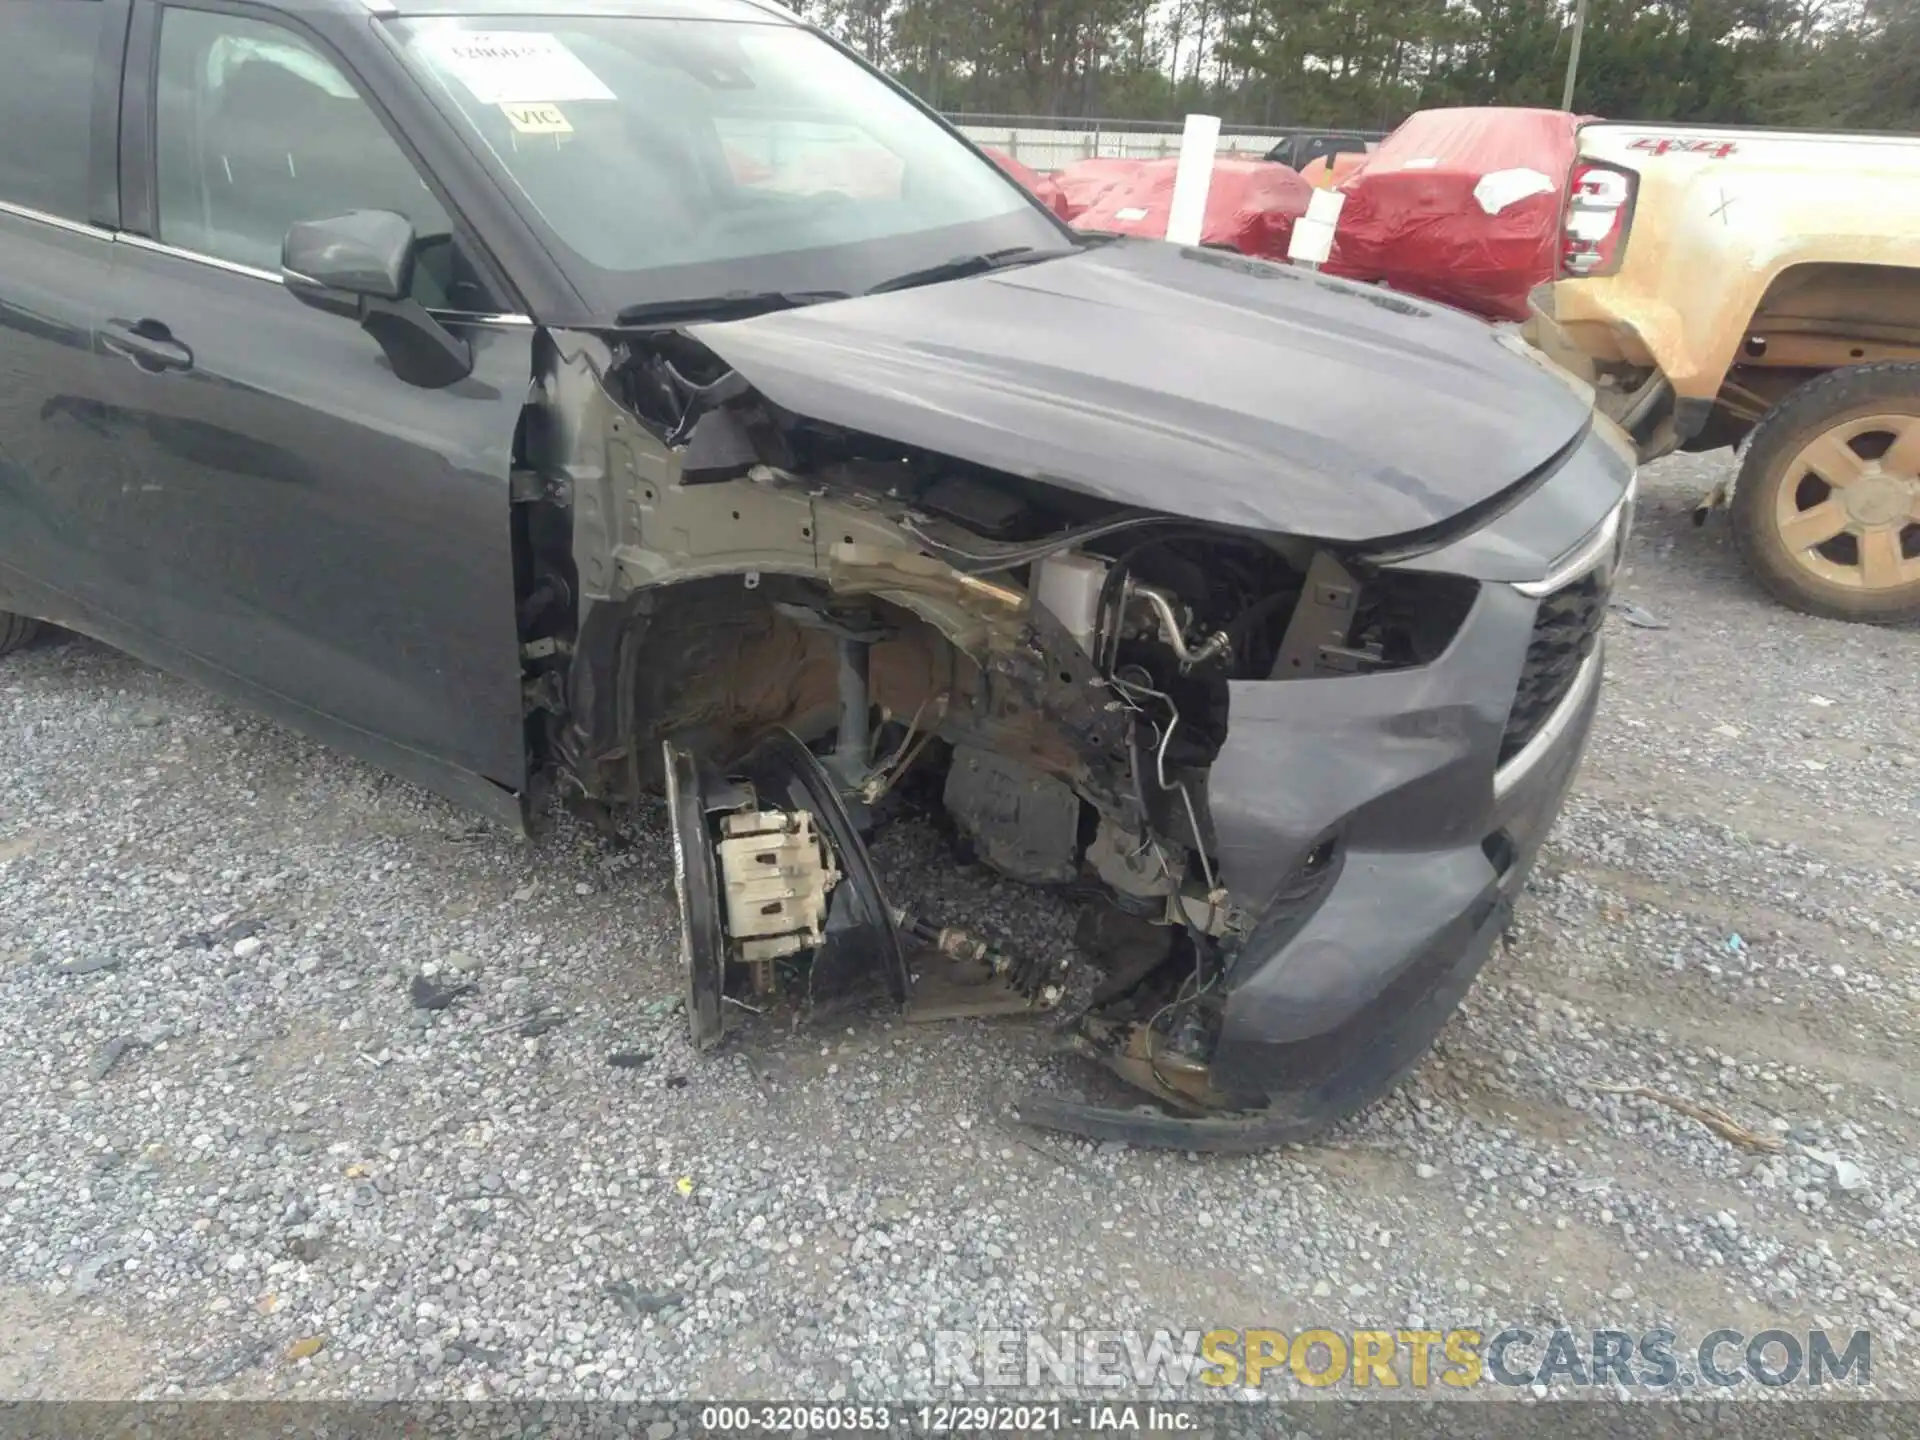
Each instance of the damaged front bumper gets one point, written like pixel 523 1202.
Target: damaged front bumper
pixel 1428 835
pixel 1381 827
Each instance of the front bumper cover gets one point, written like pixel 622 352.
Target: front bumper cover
pixel 1330 1002
pixel 1430 853
pixel 1431 827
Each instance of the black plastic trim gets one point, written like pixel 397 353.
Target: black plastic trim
pixel 103 160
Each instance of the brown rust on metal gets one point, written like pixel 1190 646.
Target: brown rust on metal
pixel 753 669
pixel 1137 1055
pixel 887 570
pixel 728 676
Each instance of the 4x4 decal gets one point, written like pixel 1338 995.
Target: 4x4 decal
pixel 1670 144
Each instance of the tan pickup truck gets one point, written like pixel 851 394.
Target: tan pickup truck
pixel 1760 288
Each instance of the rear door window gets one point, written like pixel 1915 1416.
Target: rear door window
pixel 47 50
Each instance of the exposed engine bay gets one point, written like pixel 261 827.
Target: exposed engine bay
pixel 797 629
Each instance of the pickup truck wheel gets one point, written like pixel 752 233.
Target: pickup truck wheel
pixel 15 631
pixel 1827 511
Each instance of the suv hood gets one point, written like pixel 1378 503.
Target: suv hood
pixel 1191 382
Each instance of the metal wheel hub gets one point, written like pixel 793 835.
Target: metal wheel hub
pixel 1878 500
pixel 1848 506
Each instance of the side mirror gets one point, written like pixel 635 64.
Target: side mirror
pixel 360 266
pixel 364 252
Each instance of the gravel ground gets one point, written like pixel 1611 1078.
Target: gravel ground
pixel 236 1159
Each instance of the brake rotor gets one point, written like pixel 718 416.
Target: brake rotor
pixel 858 940
pixel 703 940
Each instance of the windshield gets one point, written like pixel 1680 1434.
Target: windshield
pixel 676 159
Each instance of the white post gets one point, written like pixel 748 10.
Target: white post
pixel 1312 239
pixel 1194 178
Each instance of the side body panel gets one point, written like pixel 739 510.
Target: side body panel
pixel 1718 216
pixel 315 536
pixel 60 478
pixel 336 540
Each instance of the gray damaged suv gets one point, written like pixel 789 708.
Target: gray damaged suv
pixel 648 395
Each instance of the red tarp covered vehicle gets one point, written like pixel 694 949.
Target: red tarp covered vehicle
pixel 1251 205
pixel 1042 187
pixel 1085 181
pixel 1460 206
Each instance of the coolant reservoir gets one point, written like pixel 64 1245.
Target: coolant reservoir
pixel 1068 584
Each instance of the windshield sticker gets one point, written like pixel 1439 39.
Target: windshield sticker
pixel 537 119
pixel 511 67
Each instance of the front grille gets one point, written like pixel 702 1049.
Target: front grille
pixel 1565 631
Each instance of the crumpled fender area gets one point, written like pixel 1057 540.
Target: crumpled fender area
pixel 1266 766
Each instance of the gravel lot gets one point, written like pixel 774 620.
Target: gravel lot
pixel 235 1160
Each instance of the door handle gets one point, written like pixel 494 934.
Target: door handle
pixel 148 344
